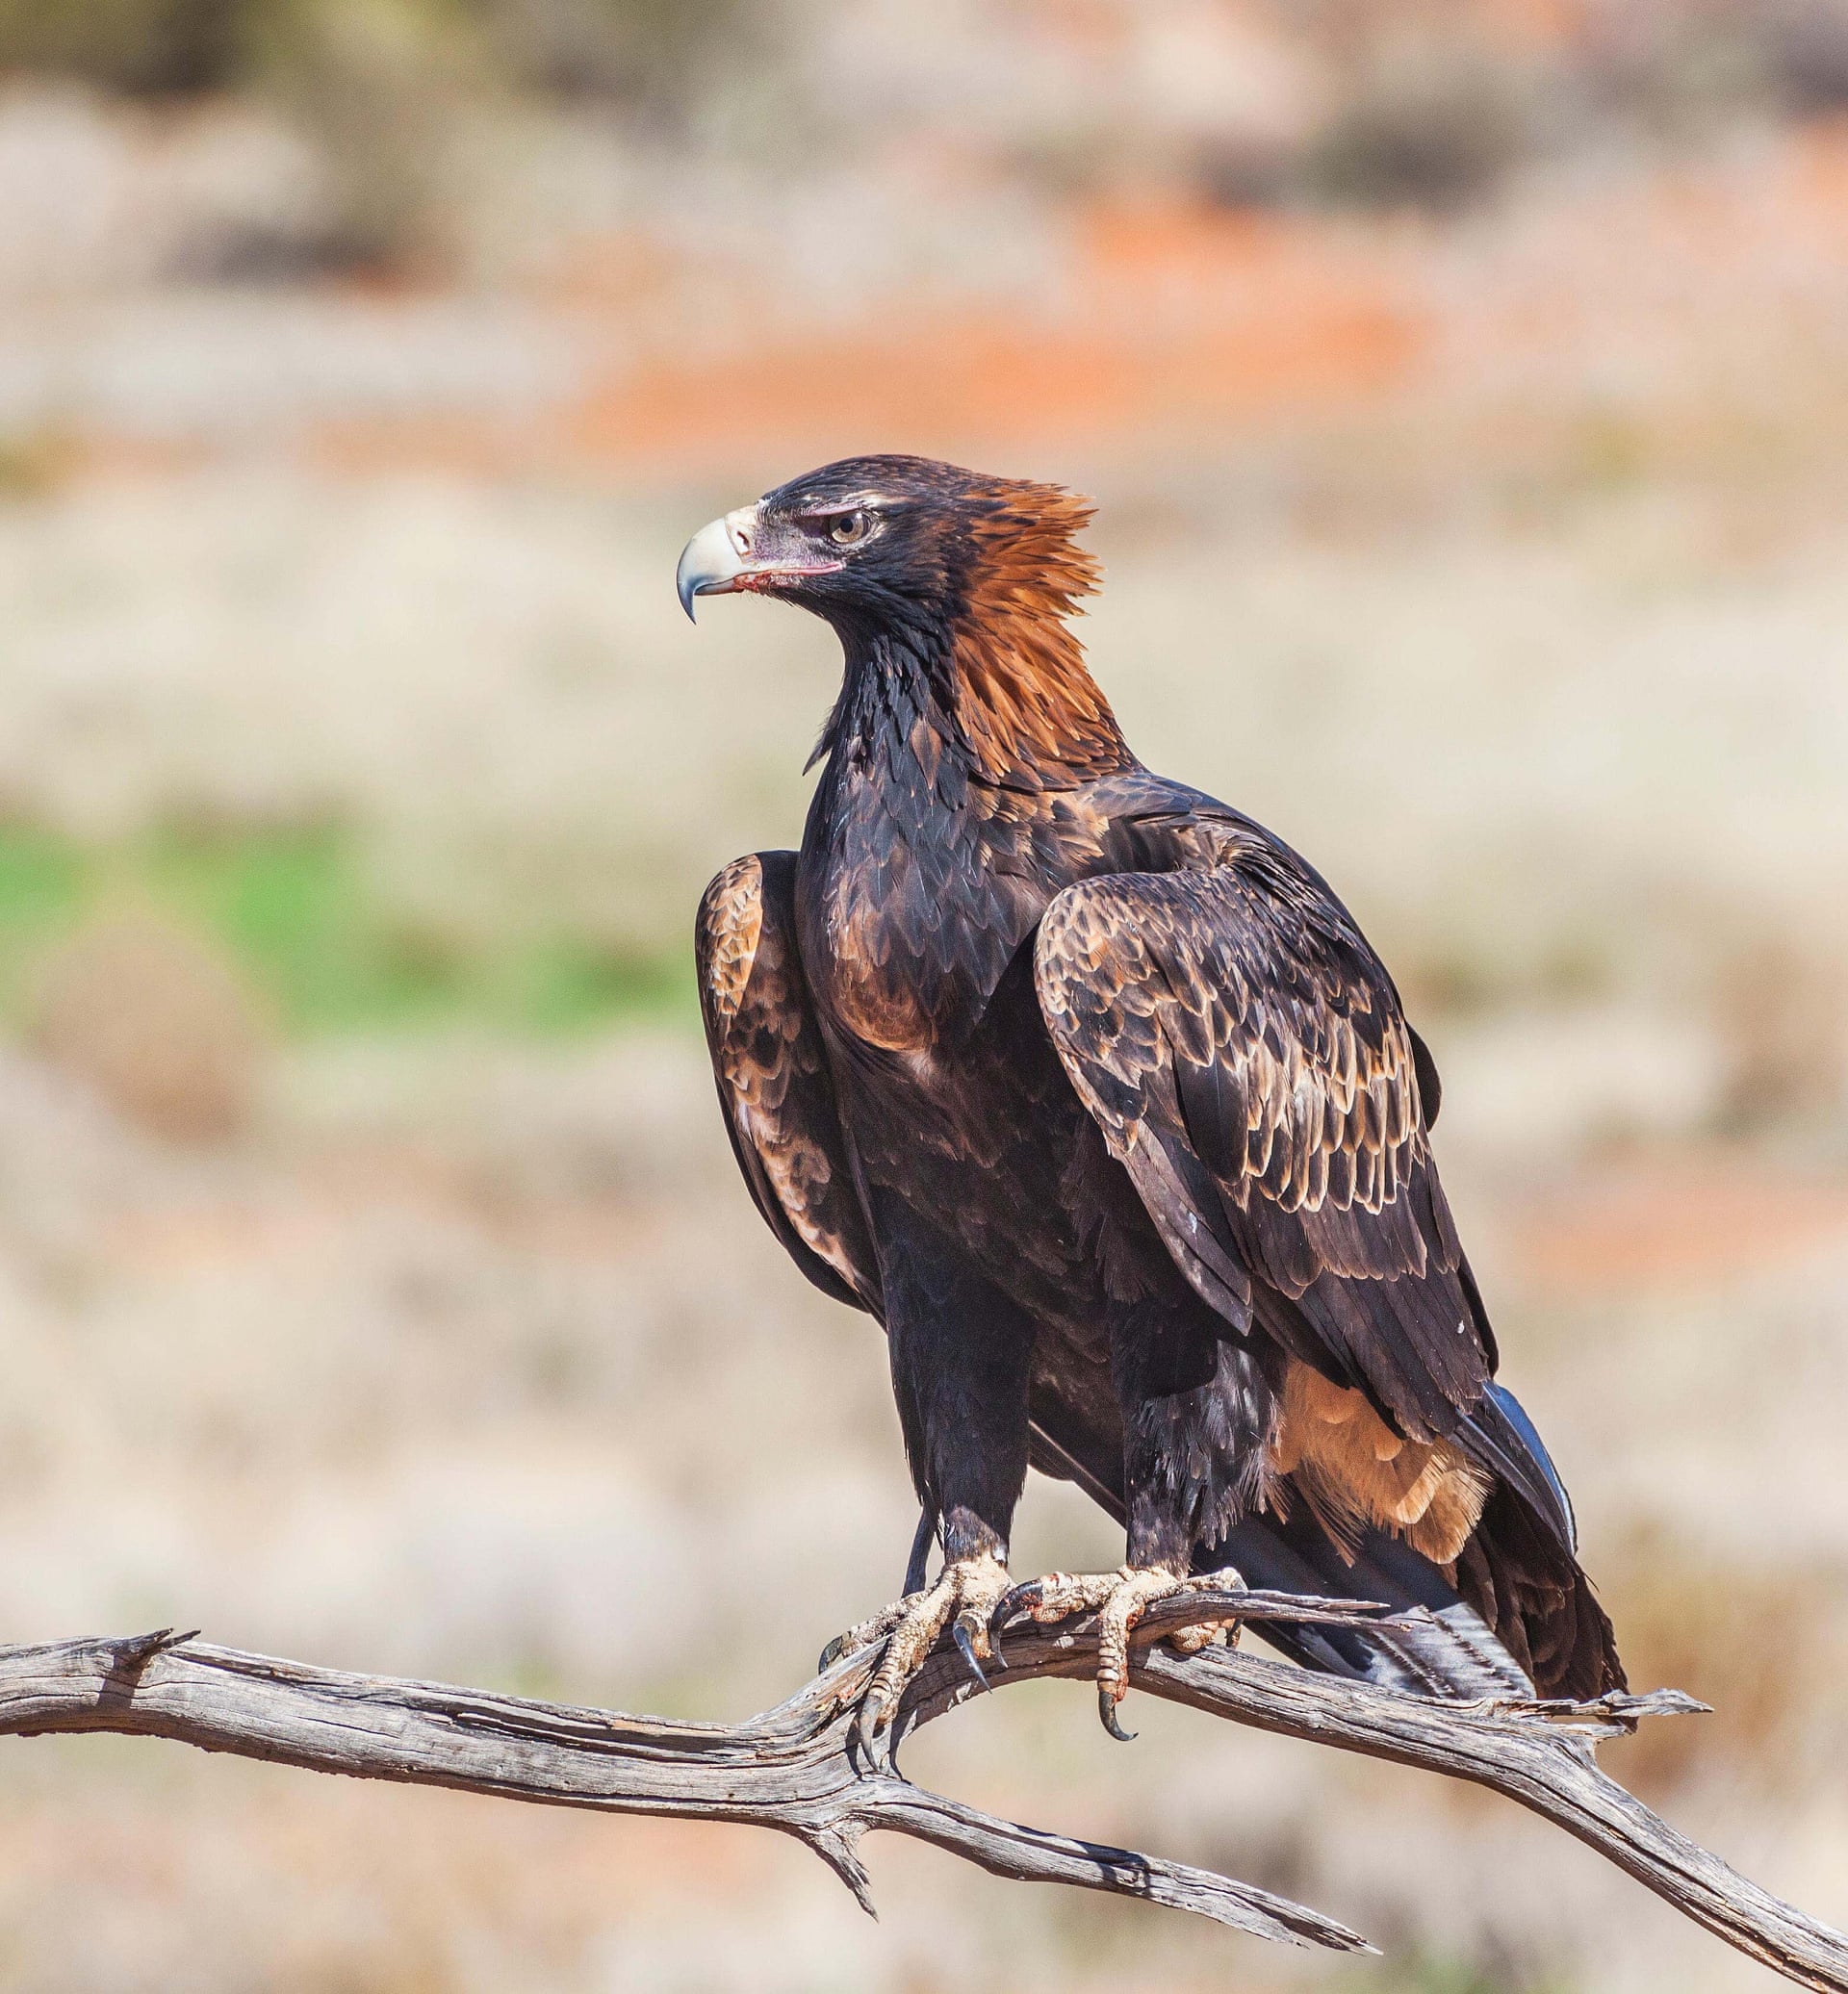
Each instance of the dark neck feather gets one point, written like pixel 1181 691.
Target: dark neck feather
pixel 989 685
pixel 966 708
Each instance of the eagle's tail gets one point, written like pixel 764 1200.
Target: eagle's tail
pixel 1519 1569
pixel 1514 1616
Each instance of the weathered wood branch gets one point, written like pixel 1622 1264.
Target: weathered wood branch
pixel 794 1768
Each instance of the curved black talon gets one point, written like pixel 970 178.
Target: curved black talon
pixel 966 1648
pixel 1107 1711
pixel 831 1655
pixel 866 1736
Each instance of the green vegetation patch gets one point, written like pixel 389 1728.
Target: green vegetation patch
pixel 299 914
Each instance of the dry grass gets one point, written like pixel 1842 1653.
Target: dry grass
pixel 156 1022
pixel 1498 564
pixel 1757 1633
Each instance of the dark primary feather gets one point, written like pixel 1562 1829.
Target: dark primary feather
pixel 1499 1435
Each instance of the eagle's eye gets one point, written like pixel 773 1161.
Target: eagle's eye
pixel 849 529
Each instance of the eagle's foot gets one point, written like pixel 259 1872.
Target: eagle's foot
pixel 1118 1599
pixel 963 1599
pixel 863 1633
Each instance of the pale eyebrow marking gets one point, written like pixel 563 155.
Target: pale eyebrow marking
pixel 865 501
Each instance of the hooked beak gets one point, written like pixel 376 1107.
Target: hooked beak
pixel 714 562
pixel 722 559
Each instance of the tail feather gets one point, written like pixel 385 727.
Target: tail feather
pixel 1539 1603
pixel 1520 1569
pixel 1447 1651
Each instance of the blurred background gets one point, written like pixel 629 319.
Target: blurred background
pixel 1465 387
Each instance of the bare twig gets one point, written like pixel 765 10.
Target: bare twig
pixel 794 1768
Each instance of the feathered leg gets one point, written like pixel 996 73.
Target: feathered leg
pixel 1199 1413
pixel 961 1354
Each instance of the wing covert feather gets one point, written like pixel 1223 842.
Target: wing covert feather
pixel 773 1077
pixel 1249 1063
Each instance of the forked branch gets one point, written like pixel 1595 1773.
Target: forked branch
pixel 795 1769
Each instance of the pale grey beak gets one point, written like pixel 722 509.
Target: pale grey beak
pixel 713 561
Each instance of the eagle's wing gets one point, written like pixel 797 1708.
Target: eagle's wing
pixel 1246 1056
pixel 774 1080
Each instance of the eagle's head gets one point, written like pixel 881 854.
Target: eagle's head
pixel 898 542
pixel 961 581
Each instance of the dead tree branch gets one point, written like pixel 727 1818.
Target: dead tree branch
pixel 794 1768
